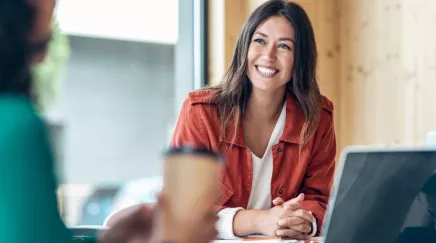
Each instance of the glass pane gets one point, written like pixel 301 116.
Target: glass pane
pixel 107 91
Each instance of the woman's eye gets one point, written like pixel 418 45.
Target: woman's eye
pixel 284 46
pixel 260 41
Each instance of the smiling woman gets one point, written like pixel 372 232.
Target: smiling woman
pixel 273 126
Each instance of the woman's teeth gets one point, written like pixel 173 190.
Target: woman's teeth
pixel 266 71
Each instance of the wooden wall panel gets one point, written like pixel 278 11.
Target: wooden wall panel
pixel 226 18
pixel 387 77
pixel 236 15
pixel 420 32
pixel 216 41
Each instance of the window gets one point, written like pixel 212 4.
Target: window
pixel 118 99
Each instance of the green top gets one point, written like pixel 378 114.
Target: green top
pixel 28 203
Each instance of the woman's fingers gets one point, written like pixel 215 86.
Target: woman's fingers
pixel 278 201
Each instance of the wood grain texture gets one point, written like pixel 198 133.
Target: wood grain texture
pixel 226 18
pixel 387 71
pixel 216 41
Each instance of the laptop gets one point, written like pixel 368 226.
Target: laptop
pixel 373 191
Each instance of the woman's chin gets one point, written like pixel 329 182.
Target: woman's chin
pixel 263 86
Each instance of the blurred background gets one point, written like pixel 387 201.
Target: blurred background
pixel 118 72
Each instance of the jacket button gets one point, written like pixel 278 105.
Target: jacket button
pixel 280 191
pixel 280 150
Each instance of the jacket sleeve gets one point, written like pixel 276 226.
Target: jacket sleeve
pixel 319 175
pixel 190 129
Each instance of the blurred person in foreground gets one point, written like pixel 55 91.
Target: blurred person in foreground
pixel 28 206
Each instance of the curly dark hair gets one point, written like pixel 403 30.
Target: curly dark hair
pixel 16 23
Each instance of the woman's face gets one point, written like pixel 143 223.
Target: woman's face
pixel 42 25
pixel 271 54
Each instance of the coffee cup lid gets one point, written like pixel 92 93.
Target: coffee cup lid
pixel 194 151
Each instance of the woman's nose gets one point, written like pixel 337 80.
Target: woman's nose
pixel 269 54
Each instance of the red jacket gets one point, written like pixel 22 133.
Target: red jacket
pixel 312 174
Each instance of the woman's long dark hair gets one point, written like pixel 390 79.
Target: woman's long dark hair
pixel 16 24
pixel 232 94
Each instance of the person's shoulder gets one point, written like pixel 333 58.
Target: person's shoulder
pixel 326 105
pixel 203 96
pixel 326 115
pixel 201 104
pixel 17 115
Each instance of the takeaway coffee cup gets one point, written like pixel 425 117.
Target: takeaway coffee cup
pixel 190 181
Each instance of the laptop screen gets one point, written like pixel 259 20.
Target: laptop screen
pixel 374 192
